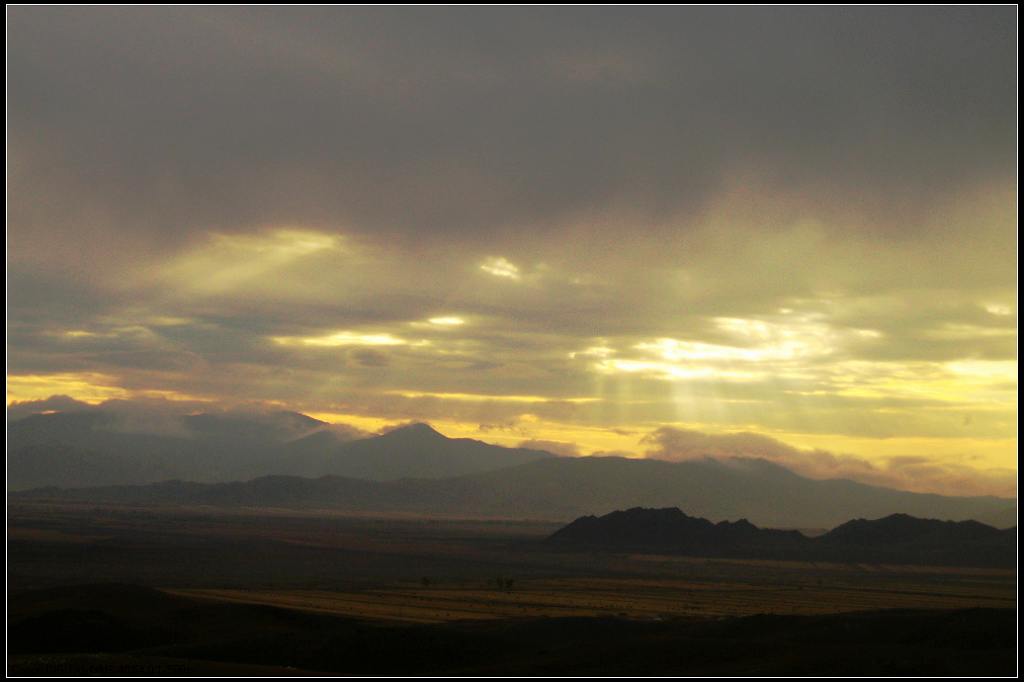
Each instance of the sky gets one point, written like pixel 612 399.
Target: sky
pixel 657 232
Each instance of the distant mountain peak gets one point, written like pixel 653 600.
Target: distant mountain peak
pixel 415 429
pixel 653 512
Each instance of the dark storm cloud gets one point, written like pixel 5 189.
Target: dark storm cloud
pixel 448 123
pixel 575 224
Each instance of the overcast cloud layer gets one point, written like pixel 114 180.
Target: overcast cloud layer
pixel 575 226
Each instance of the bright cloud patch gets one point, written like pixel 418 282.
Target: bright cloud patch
pixel 1000 309
pixel 231 262
pixel 343 338
pixel 449 321
pixel 746 351
pixel 501 267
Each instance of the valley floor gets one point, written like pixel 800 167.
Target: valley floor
pixel 370 586
pixel 642 599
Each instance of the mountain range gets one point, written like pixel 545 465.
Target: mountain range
pixel 895 539
pixel 285 459
pixel 97 448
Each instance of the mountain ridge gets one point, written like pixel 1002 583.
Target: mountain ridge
pixel 896 538
pixel 416 469
pixel 100 448
pixel 563 489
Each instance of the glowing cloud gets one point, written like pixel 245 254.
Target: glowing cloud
pixel 1000 309
pixel 87 387
pixel 449 321
pixel 672 371
pixel 754 346
pixel 228 262
pixel 501 267
pixel 476 397
pixel 342 338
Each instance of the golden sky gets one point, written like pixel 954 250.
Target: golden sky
pixel 656 232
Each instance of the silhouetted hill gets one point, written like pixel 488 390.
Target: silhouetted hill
pixel 903 528
pixel 900 537
pixel 897 538
pixel 673 531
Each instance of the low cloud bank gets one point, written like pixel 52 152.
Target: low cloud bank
pixel 187 419
pixel 911 472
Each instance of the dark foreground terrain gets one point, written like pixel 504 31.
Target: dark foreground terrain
pixel 165 591
pixel 121 629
